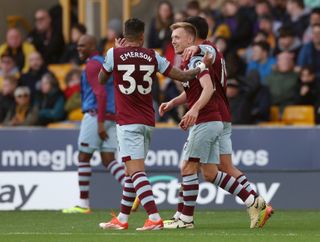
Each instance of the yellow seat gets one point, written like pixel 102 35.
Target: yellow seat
pixel 299 115
pixel 62 125
pixel 75 115
pixel 274 114
pixel 60 71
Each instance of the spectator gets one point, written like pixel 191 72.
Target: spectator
pixel 159 31
pixel 247 7
pixel 239 103
pixel 266 25
pixel 279 11
pixel 50 101
pixel 283 81
pixel 18 49
pixel 180 16
pixel 7 96
pixel 246 54
pixel 70 54
pixel 299 16
pixel 307 91
pixel 22 113
pixel 314 19
pixel 114 31
pixel 239 24
pixel 211 23
pixel 32 78
pixel 263 9
pixel 47 40
pixel 309 54
pixel 7 67
pixel 72 92
pixel 287 41
pixel 261 60
pixel 193 8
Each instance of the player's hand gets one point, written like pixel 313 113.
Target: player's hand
pixel 189 52
pixel 119 42
pixel 189 119
pixel 101 131
pixel 165 107
pixel 207 59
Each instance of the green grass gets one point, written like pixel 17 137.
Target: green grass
pixel 47 226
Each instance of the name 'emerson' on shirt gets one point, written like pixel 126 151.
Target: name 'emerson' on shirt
pixel 134 54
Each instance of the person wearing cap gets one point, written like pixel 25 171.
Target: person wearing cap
pixel 22 113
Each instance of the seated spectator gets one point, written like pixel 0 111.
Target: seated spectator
pixel 7 67
pixel 313 19
pixel 180 16
pixel 239 24
pixel 7 96
pixel 50 101
pixel 299 16
pixel 193 8
pixel 239 104
pixel 307 91
pixel 47 40
pixel 22 113
pixel 287 41
pixel 159 32
pixel 265 24
pixel 283 81
pixel 261 60
pixel 114 31
pixel 246 54
pixel 32 78
pixel 72 93
pixel 70 54
pixel 309 54
pixel 18 49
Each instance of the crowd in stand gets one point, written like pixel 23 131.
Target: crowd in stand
pixel 271 49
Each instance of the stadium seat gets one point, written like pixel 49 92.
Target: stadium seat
pixel 299 115
pixel 62 125
pixel 274 114
pixel 60 71
pixel 75 115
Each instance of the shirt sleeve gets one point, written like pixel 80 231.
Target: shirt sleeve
pixel 194 62
pixel 108 63
pixel 164 66
pixel 210 49
pixel 93 67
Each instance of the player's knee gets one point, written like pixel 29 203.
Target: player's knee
pixel 208 176
pixel 84 157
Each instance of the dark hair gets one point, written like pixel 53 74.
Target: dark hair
pixel 263 45
pixel 201 26
pixel 194 4
pixel 133 28
pixel 80 27
pixel 308 68
pixel 264 33
pixel 315 11
pixel 300 3
pixel 286 31
pixel 71 73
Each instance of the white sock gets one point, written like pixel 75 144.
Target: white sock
pixel 176 215
pixel 123 218
pixel 249 201
pixel 185 218
pixel 154 217
pixel 84 203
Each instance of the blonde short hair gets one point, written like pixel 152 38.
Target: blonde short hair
pixel 186 26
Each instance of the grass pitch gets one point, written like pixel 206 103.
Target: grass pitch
pixel 220 226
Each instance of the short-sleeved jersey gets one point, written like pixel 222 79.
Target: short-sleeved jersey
pixel 193 89
pixel 134 69
pixel 219 75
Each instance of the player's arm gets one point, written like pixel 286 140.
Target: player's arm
pixel 93 68
pixel 167 69
pixel 199 50
pixel 208 89
pixel 107 67
pixel 167 106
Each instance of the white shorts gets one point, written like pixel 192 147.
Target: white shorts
pixel 225 143
pixel 89 139
pixel 134 141
pixel 203 143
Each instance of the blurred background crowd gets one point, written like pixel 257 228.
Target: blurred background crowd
pixel 271 48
